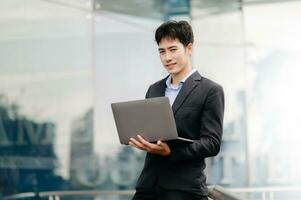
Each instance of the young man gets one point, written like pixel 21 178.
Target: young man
pixel 174 171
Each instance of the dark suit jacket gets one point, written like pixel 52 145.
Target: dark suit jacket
pixel 198 111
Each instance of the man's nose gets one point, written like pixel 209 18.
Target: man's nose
pixel 168 56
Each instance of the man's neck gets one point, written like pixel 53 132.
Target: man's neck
pixel 176 78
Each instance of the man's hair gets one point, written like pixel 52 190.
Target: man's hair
pixel 180 30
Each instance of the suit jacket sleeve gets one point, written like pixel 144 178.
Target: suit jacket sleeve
pixel 211 127
pixel 147 93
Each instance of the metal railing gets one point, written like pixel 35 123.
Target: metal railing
pixel 265 193
pixel 21 196
pixel 56 195
pixel 219 193
pixel 215 193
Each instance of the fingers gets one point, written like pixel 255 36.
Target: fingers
pixel 148 145
pixel 143 144
pixel 160 147
pixel 133 142
pixel 161 144
pixel 133 145
pixel 165 148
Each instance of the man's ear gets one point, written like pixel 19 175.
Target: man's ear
pixel 189 48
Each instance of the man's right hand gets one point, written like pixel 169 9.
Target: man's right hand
pixel 160 148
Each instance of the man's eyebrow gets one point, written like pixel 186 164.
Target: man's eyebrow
pixel 172 47
pixel 161 49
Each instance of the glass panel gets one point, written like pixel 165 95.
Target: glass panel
pixel 52 54
pixel 220 55
pixel 255 56
pixel 150 9
pixel 46 92
pixel 127 62
pixel 274 108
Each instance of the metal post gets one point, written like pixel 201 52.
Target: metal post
pixel 263 196
pixel 271 195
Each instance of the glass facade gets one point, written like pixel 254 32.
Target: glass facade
pixel 220 55
pixel 46 89
pixel 62 63
pixel 273 67
pixel 251 47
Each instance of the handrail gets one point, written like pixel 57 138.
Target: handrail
pixel 219 193
pixel 87 193
pixel 264 189
pixel 212 190
pixel 215 193
pixel 70 193
pixel 20 195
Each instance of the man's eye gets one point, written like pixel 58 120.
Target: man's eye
pixel 173 50
pixel 161 52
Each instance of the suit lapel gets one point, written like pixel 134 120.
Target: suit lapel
pixel 187 88
pixel 162 87
pixel 160 90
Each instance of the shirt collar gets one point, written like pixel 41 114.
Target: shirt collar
pixel 168 80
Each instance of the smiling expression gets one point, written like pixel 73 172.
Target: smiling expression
pixel 174 56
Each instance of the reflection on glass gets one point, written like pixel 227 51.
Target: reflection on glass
pixel 46 85
pixel 274 109
pixel 55 62
pixel 27 160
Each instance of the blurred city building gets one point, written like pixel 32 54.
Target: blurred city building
pixel 63 62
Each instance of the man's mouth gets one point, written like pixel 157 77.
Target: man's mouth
pixel 170 65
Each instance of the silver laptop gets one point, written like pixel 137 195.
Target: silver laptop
pixel 151 118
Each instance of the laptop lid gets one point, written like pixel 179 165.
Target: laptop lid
pixel 152 118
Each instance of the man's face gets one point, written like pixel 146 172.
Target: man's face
pixel 174 55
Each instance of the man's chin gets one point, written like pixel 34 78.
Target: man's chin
pixel 172 71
